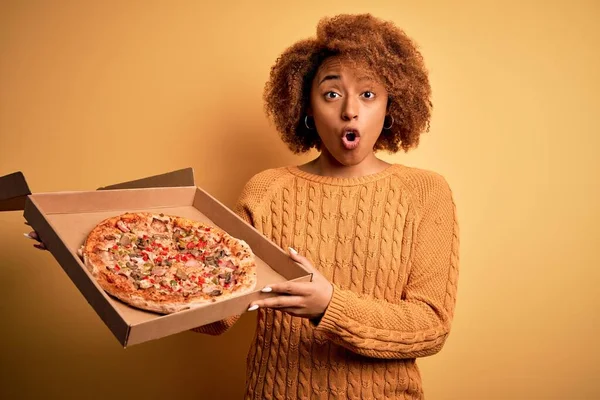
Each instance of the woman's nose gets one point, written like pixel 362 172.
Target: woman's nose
pixel 350 110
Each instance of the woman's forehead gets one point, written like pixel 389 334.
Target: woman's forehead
pixel 340 66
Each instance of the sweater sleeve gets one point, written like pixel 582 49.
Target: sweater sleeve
pixel 248 201
pixel 418 324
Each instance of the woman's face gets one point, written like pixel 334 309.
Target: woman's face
pixel 348 109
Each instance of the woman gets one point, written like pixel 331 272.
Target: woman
pixel 382 239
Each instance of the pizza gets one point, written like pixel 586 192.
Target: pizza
pixel 165 263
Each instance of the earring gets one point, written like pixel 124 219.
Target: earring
pixel 306 123
pixel 392 124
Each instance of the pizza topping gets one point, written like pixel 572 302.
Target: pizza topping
pixel 137 260
pixel 209 289
pixel 158 271
pixel 137 275
pixel 125 240
pixel 226 277
pixel 210 261
pixel 158 225
pixel 180 274
pixel 145 284
pixel 122 226
pixel 192 263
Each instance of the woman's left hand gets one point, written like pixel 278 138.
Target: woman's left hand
pixel 302 299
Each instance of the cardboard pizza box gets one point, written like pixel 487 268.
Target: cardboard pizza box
pixel 64 219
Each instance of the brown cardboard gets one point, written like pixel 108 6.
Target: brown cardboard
pixel 181 177
pixel 64 219
pixel 13 192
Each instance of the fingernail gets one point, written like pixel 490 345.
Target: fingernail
pixel 252 308
pixel 292 251
pixel 266 289
pixel 27 236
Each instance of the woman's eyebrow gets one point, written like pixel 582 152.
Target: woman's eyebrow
pixel 329 77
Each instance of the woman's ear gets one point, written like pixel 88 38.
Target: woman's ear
pixel 309 111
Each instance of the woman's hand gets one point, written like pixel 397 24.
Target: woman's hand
pixel 302 299
pixel 33 235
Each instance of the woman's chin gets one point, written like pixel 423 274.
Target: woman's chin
pixel 349 158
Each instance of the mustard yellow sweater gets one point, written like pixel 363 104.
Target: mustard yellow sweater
pixel 389 244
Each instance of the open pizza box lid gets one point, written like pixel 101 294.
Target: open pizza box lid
pixel 64 219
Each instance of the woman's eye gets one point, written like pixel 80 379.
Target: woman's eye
pixel 331 95
pixel 368 94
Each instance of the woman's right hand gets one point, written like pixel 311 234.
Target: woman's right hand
pixel 34 235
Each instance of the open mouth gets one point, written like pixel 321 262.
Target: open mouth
pixel 350 138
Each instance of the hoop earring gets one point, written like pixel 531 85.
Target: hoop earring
pixel 392 124
pixel 306 123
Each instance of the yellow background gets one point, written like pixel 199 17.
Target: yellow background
pixel 86 87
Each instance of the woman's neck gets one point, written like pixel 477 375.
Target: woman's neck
pixel 326 165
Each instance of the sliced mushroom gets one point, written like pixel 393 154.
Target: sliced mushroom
pixel 137 275
pixel 216 292
pixel 210 261
pixel 110 237
pixel 181 274
pixel 125 240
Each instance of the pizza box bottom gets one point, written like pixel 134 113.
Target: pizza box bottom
pixel 64 219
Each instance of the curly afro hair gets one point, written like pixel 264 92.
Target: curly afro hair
pixel 384 49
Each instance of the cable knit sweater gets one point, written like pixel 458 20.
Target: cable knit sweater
pixel 388 242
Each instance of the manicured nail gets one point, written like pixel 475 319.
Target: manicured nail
pixel 266 289
pixel 27 236
pixel 293 251
pixel 252 308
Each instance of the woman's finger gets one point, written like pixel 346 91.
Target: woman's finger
pixel 278 302
pixel 289 288
pixel 29 236
pixel 33 235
